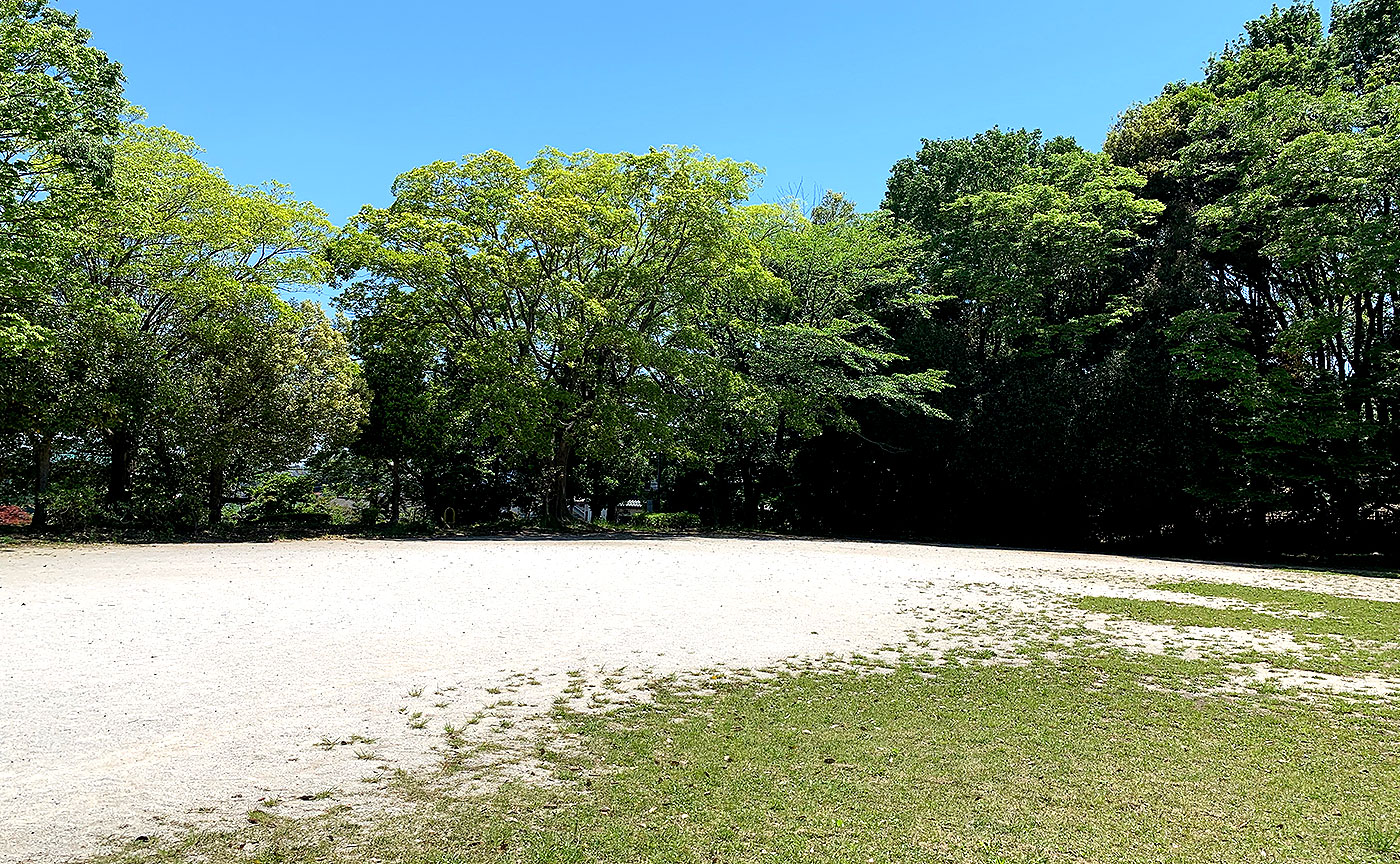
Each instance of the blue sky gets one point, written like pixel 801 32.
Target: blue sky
pixel 336 97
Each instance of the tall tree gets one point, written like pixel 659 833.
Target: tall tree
pixel 808 353
pixel 1042 245
pixel 179 246
pixel 143 273
pixel 60 101
pixel 567 293
pixel 265 385
pixel 1279 174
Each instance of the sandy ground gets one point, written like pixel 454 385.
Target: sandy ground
pixel 140 684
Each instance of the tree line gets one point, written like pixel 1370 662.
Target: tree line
pixel 1187 340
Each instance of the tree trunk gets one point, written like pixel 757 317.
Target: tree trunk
pixel 750 512
pixel 556 493
pixel 395 490
pixel 721 497
pixel 216 495
pixel 123 445
pixel 430 491
pixel 43 459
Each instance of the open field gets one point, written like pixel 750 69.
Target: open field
pixel 690 699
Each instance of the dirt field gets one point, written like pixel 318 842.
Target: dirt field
pixel 144 686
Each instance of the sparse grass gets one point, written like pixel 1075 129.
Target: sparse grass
pixel 415 692
pixel 1185 614
pixel 365 753
pixel 1352 617
pixel 329 743
pixel 1339 635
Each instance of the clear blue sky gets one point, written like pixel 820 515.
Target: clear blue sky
pixel 336 97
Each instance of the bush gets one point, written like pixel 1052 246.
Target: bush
pixel 287 499
pixel 682 521
pixel 75 506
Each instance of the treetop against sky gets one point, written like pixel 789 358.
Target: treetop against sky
pixel 336 98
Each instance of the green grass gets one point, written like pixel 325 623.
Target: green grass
pixel 1341 635
pixel 1343 616
pixel 1100 757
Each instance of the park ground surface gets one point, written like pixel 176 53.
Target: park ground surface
pixel 690 699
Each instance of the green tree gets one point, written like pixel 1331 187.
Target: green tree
pixel 567 293
pixel 1280 180
pixel 265 385
pixel 805 352
pixel 60 100
pixel 403 421
pixel 142 274
pixel 1042 247
pixel 178 246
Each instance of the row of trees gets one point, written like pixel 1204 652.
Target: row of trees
pixel 1188 339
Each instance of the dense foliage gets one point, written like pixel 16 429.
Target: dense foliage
pixel 1187 340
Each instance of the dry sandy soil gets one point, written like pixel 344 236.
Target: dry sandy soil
pixel 142 686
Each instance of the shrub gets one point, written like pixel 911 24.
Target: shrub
pixel 11 514
pixel 75 506
pixel 681 521
pixel 287 499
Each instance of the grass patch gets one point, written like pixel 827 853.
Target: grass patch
pixel 1354 618
pixel 1100 757
pixel 1188 614
pixel 1341 635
